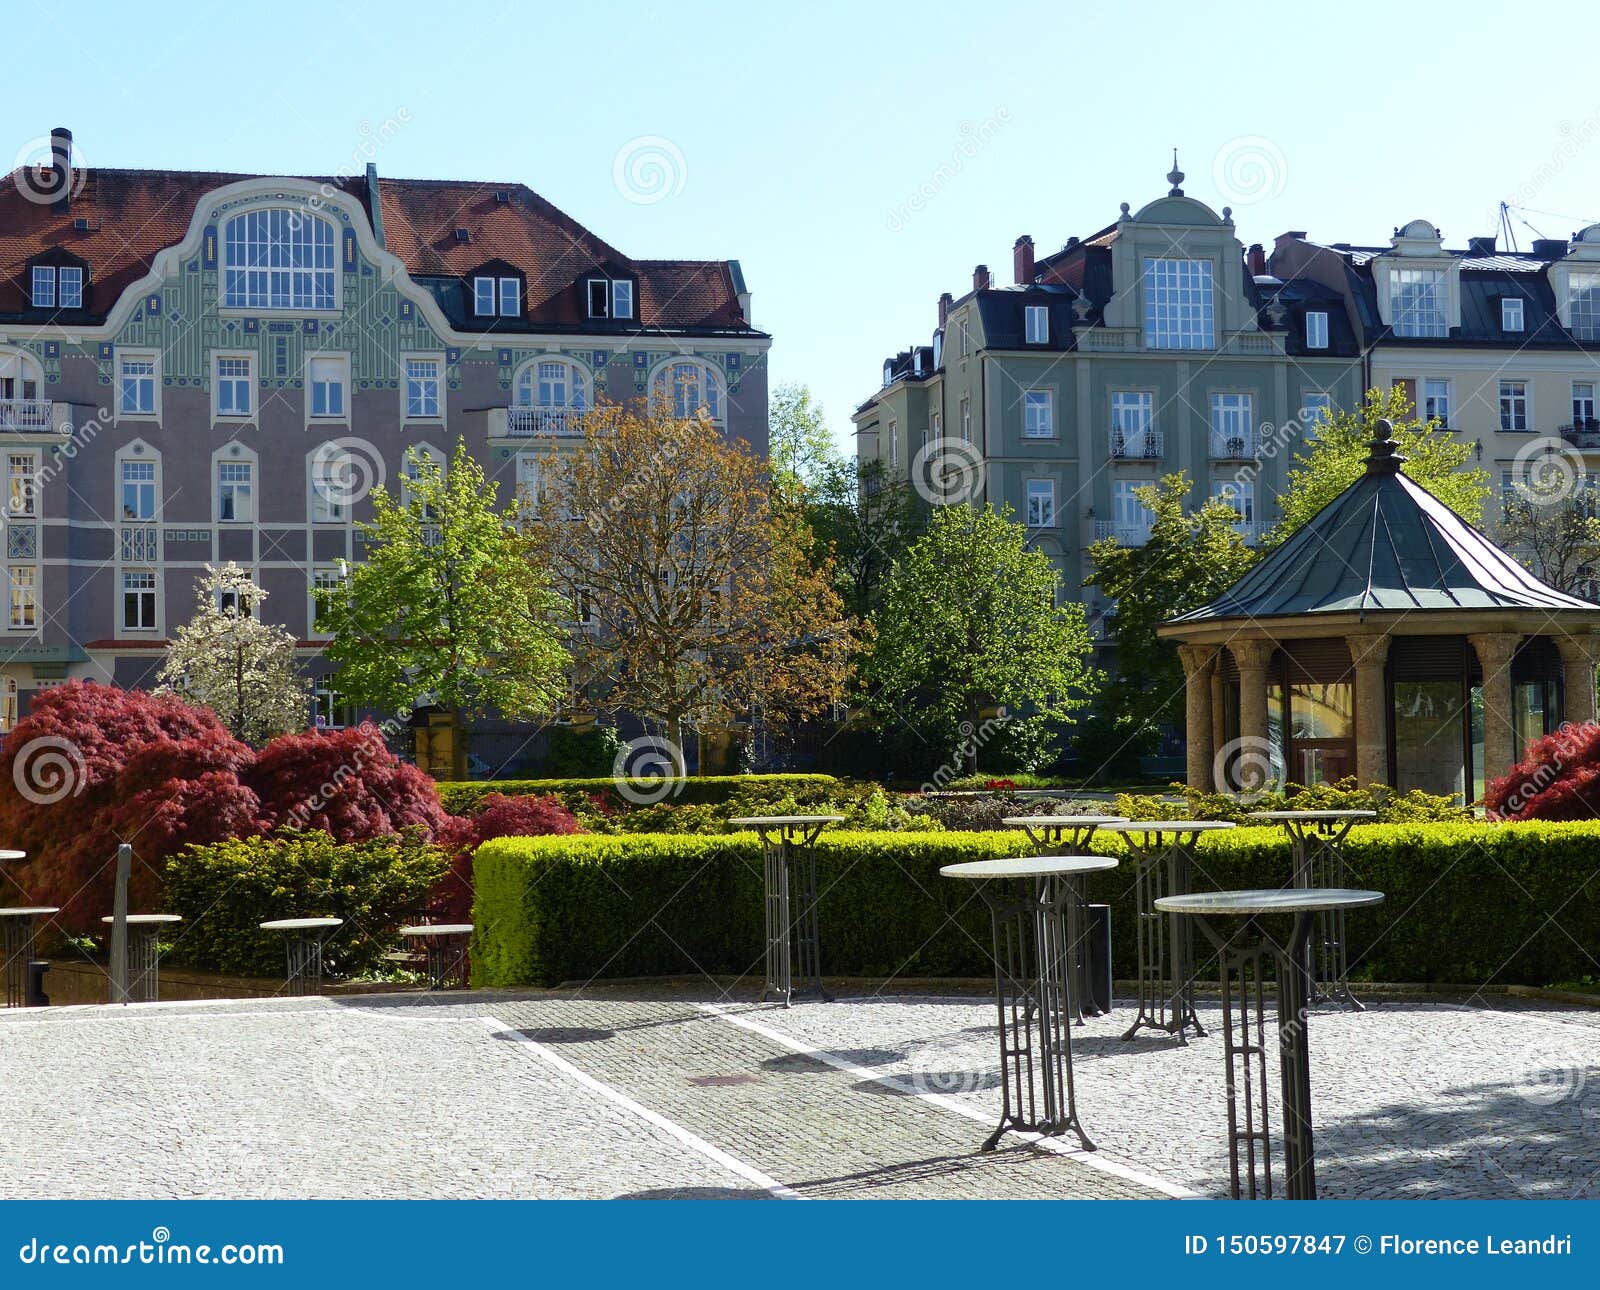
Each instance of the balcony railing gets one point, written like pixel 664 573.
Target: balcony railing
pixel 1144 445
pixel 527 423
pixel 28 415
pixel 1582 434
pixel 1252 531
pixel 1232 447
pixel 1126 534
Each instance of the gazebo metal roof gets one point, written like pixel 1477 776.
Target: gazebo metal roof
pixel 1384 544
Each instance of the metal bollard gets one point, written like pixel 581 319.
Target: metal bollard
pixel 1098 958
pixel 36 997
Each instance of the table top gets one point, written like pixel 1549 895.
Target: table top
pixel 1062 821
pixel 7 856
pixel 29 911
pixel 777 821
pixel 300 924
pixel 1168 826
pixel 437 929
pixel 1293 900
pixel 1029 867
pixel 146 918
pixel 1311 816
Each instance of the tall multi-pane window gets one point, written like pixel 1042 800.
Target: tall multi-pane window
pixel 1131 519
pixel 138 490
pixel 233 387
pixel 622 299
pixel 1436 401
pixel 1583 291
pixel 1038 414
pixel 1132 412
pixel 21 485
pixel 510 297
pixel 71 280
pixel 528 482
pixel 44 287
pixel 1041 503
pixel 1037 324
pixel 483 297
pixel 1179 311
pixel 136 389
pixel 1583 405
pixel 24 603
pixel 1416 302
pixel 422 387
pixel 691 386
pixel 326 377
pixel 417 463
pixel 236 492
pixel 1316 329
pixel 1232 425
pixel 1511 313
pixel 278 259
pixel 1241 495
pixel 1513 405
pixel 325 580
pixel 1316 406
pixel 332 473
pixel 139 599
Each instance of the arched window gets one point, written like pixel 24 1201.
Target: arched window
pixel 690 385
pixel 549 392
pixel 278 259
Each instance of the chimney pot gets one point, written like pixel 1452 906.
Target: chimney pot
pixel 945 301
pixel 1257 259
pixel 980 277
pixel 1022 261
pixel 61 164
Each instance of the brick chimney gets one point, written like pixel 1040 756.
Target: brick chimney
pixel 945 301
pixel 980 278
pixel 61 164
pixel 1256 258
pixel 1022 261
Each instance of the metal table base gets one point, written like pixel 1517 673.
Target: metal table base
pixel 16 942
pixel 793 936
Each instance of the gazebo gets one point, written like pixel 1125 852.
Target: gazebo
pixel 1386 639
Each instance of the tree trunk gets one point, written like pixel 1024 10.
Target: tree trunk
pixel 458 746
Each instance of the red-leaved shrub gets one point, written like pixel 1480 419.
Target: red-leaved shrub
pixel 346 782
pixel 1557 779
pixel 93 765
pixel 499 817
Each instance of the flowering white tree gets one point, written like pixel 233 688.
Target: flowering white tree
pixel 226 659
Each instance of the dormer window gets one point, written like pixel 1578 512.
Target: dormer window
pixel 621 299
pixel 483 304
pixel 44 287
pixel 496 297
pixel 69 280
pixel 1316 329
pixel 599 298
pixel 510 298
pixel 1511 313
pixel 938 348
pixel 888 373
pixel 1037 324
pixel 1417 302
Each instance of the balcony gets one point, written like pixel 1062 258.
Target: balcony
pixel 1252 531
pixel 1126 534
pixel 1137 445
pixel 1583 434
pixel 1233 447
pixel 531 423
pixel 34 416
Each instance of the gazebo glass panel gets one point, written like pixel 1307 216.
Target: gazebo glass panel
pixel 1430 736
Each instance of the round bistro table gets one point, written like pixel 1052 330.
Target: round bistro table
pixel 446 947
pixel 1245 950
pixel 19 924
pixel 788 846
pixel 1055 835
pixel 144 955
pixel 1163 854
pixel 303 939
pixel 1317 838
pixel 1028 899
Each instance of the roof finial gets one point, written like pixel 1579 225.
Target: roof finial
pixel 1383 457
pixel 1175 176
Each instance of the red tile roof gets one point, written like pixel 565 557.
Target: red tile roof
pixel 134 214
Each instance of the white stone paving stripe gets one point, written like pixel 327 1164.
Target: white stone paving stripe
pixel 1094 1159
pixel 694 1142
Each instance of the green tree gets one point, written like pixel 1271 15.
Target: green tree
pixel 866 521
pixel 226 659
pixel 800 447
pixel 969 628
pixel 1337 457
pixel 450 609
pixel 1552 530
pixel 1190 557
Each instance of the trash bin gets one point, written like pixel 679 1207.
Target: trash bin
pixel 37 998
pixel 1099 958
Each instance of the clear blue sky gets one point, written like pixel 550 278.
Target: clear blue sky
pixel 805 130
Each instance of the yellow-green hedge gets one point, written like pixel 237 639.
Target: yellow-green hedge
pixel 1469 903
pixel 461 796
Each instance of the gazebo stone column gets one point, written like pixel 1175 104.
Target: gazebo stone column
pixel 1494 651
pixel 1219 710
pixel 1253 655
pixel 1368 654
pixel 1199 663
pixel 1578 654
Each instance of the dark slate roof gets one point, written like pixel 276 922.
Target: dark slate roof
pixel 1384 544
pixel 1297 296
pixel 1004 320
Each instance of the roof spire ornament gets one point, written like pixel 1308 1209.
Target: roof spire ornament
pixel 1175 177
pixel 1383 455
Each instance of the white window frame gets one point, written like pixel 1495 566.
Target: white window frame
pixel 622 298
pixel 280 288
pixel 153 357
pixel 338 364
pixel 1419 303
pixel 320 509
pixel 252 482
pixel 76 302
pixel 1583 305
pixel 1579 413
pixel 22 504
pixel 1179 304
pixel 218 357
pixel 508 297
pixel 1130 516
pixel 1513 314
pixel 966 417
pixel 1512 401
pixel 222 599
pixel 406 414
pixel 484 292
pixel 1036 324
pixel 1233 416
pixel 1133 416
pixel 324 696
pixel 664 380
pixel 1037 424
pixel 406 465
pixel 1316 329
pixel 1039 503
pixel 598 291
pixel 42 287
pixel 331 575
pixel 152 591
pixel 125 460
pixel 530 473
pixel 894 444
pixel 22 593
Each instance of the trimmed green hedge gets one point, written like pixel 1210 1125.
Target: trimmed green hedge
pixel 460 796
pixel 227 889
pixel 1468 903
